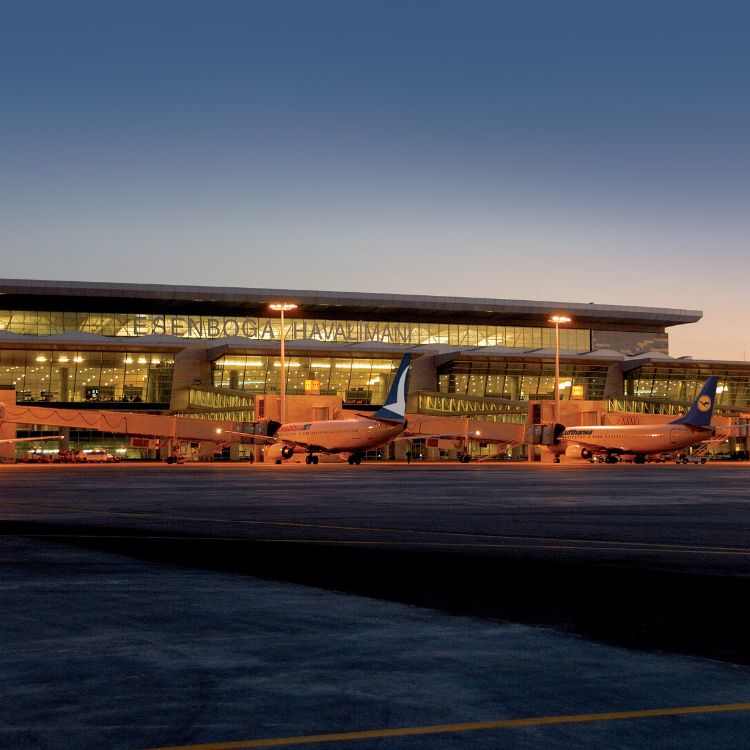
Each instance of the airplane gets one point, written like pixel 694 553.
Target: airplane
pixel 645 439
pixel 348 438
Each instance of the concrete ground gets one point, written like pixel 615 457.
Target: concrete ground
pixel 102 651
pixel 131 618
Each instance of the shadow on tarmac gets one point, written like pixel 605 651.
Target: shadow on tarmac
pixel 681 612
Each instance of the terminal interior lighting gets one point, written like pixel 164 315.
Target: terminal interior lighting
pixel 364 366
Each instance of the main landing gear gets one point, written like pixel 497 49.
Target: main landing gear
pixel 639 459
pixel 610 459
pixel 311 458
pixel 355 458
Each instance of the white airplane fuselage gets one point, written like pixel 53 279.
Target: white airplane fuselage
pixel 339 436
pixel 637 439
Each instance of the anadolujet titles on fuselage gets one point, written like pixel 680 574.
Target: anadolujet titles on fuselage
pixel 347 437
pixel 647 439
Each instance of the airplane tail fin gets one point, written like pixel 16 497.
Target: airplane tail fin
pixel 271 427
pixel 703 407
pixel 394 408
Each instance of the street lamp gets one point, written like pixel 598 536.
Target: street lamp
pixel 557 319
pixel 282 307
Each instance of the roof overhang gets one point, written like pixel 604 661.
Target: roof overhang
pixel 684 364
pixel 86 296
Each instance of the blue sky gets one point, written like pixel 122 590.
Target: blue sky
pixel 584 151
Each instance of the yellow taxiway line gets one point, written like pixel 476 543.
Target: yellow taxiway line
pixel 374 734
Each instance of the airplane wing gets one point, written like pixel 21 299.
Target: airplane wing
pixel 263 438
pixel 272 439
pixel 594 447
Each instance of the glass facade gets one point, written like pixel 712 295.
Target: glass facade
pixel 357 381
pixel 87 376
pixel 521 381
pixel 206 403
pixel 444 404
pixel 494 386
pixel 268 329
pixel 682 384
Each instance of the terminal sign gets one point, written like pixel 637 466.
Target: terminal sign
pixel 577 392
pixel 267 328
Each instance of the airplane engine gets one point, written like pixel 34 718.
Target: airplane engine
pixel 577 451
pixel 277 452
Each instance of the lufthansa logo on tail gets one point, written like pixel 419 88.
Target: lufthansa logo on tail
pixel 704 403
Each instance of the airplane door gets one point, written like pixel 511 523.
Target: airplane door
pixel 673 437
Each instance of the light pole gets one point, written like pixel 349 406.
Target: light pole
pixel 557 319
pixel 282 307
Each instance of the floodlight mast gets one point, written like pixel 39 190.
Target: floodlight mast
pixel 557 320
pixel 282 307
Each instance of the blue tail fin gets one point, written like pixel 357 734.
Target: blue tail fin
pixel 395 402
pixel 703 408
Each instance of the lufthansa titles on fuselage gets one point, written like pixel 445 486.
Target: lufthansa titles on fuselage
pixel 576 433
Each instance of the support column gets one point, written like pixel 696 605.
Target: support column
pixel 7 429
pixel 64 384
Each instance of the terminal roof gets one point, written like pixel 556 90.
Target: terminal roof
pixel 86 296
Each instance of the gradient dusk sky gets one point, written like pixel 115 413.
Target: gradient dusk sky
pixel 581 151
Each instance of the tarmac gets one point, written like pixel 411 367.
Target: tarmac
pixel 446 607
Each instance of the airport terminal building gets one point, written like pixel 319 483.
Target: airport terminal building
pixel 211 352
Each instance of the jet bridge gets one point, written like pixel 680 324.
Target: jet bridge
pixel 173 429
pixel 459 431
pixel 420 425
